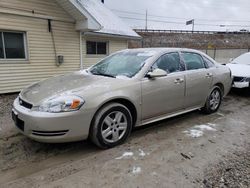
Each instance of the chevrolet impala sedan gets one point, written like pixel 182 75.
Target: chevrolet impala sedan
pixel 127 89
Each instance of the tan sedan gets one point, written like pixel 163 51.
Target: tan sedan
pixel 127 89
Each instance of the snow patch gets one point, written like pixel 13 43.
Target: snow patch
pixel 154 174
pixel 220 114
pixel 126 155
pixel 142 153
pixel 83 72
pixel 194 133
pixel 122 77
pixel 211 124
pixel 198 130
pixel 34 92
pixel 111 24
pixel 136 170
pixel 204 128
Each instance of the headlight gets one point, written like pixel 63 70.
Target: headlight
pixel 247 79
pixel 62 104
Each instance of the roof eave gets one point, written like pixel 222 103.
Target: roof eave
pixel 86 22
pixel 89 33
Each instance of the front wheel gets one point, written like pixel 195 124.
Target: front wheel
pixel 111 125
pixel 213 101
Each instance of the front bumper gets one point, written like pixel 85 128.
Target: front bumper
pixel 240 84
pixel 52 127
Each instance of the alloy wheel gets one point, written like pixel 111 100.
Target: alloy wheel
pixel 114 126
pixel 215 98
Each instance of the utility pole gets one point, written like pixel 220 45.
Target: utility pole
pixel 146 26
pixel 193 26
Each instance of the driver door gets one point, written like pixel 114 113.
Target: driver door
pixel 164 95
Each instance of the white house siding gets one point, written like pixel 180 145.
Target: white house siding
pixel 41 63
pixel 114 45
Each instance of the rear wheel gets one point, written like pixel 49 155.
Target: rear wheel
pixel 111 126
pixel 213 101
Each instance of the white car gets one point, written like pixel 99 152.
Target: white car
pixel 240 68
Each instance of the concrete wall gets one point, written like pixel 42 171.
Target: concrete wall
pixel 224 55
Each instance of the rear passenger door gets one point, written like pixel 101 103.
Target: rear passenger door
pixel 198 80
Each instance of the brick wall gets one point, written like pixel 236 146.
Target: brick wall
pixel 193 40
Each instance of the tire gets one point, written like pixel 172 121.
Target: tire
pixel 111 126
pixel 213 101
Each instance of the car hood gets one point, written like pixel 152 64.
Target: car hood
pixel 239 70
pixel 77 83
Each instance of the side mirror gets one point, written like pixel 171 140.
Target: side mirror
pixel 157 73
pixel 231 59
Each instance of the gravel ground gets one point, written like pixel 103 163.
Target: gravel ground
pixel 164 154
pixel 232 171
pixel 6 125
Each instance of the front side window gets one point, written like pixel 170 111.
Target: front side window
pixel 96 48
pixel 209 63
pixel 169 63
pixel 12 45
pixel 193 61
pixel 125 63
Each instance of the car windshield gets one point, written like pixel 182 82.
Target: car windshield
pixel 243 59
pixel 124 63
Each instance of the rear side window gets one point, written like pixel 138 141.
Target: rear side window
pixel 208 62
pixel 169 63
pixel 193 61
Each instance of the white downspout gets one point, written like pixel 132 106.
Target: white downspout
pixel 81 58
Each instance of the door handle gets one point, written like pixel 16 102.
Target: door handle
pixel 209 75
pixel 179 81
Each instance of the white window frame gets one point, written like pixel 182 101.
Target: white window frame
pixel 15 60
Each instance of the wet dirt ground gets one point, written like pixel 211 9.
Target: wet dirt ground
pixel 192 150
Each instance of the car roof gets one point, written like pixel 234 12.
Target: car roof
pixel 161 50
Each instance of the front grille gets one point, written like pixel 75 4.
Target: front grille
pixel 18 122
pixel 25 104
pixel 238 79
pixel 49 133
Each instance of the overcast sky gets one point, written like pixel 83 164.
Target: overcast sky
pixel 172 14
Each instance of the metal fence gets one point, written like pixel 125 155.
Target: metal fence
pixel 224 55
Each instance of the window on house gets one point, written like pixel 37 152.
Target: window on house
pixel 12 45
pixel 1 47
pixel 96 48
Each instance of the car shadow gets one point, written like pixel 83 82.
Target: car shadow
pixel 244 92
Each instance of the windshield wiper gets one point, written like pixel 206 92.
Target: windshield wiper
pixel 103 74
